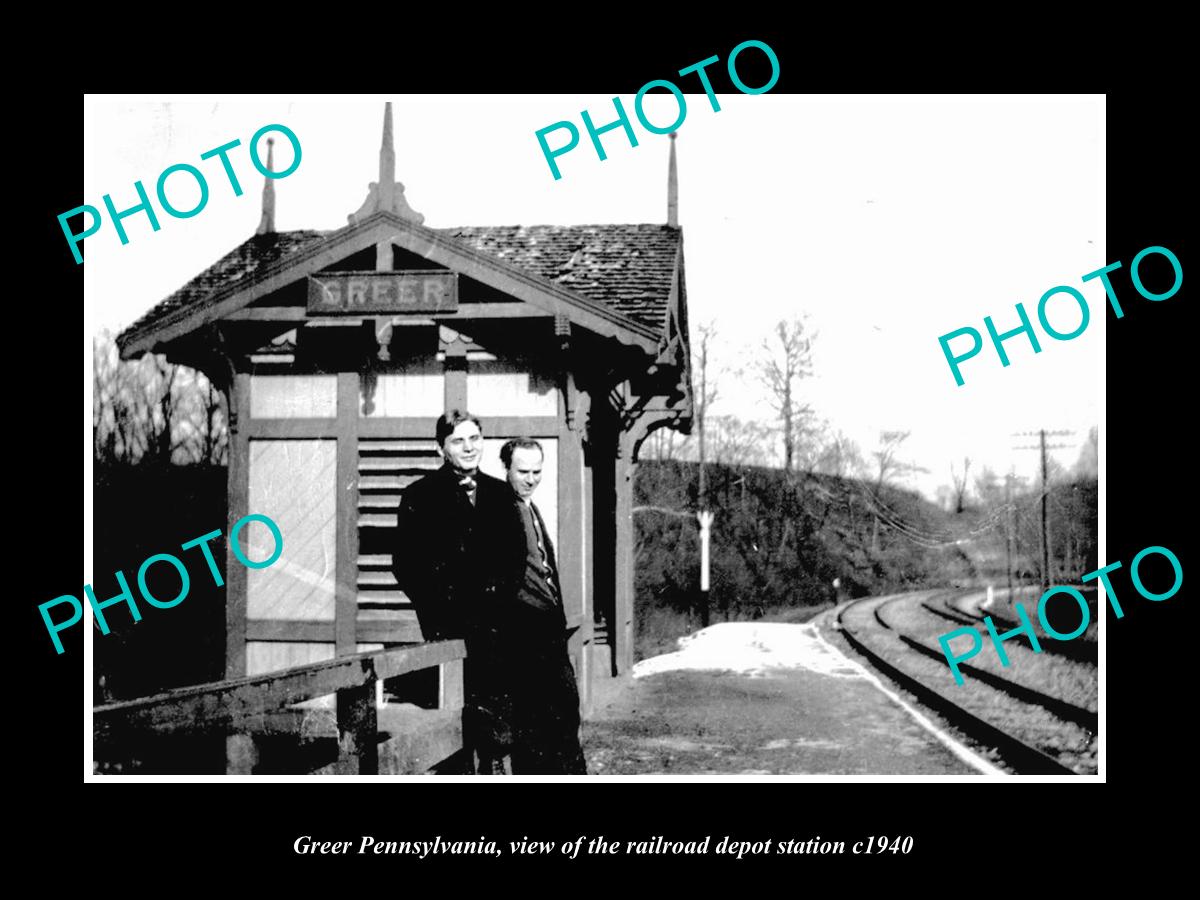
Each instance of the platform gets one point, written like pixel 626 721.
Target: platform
pixel 749 698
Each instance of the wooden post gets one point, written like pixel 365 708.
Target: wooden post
pixel 358 727
pixel 346 516
pixel 569 539
pixel 622 627
pixel 241 754
pixel 240 751
pixel 600 457
pixel 586 511
pixel 239 498
pixel 590 668
pixel 456 370
pixel 450 685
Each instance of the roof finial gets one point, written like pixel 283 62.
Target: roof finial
pixel 672 189
pixel 387 160
pixel 266 225
pixel 387 194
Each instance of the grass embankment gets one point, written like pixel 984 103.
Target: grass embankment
pixel 779 543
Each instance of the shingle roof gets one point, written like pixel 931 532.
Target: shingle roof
pixel 241 262
pixel 626 267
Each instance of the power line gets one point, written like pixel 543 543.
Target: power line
pixel 662 509
pixel 931 540
pixel 1045 512
pixel 944 538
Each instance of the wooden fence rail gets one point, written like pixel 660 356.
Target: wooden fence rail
pixel 242 707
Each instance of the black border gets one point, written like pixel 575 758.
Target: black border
pixel 1146 479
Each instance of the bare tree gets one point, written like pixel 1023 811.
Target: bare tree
pixel 201 433
pixel 960 484
pixel 736 442
pixel 105 387
pixel 989 489
pixel 705 396
pixel 212 437
pixel 150 410
pixel 120 406
pixel 662 444
pixel 788 359
pixel 1088 464
pixel 161 396
pixel 839 457
pixel 889 466
pixel 671 441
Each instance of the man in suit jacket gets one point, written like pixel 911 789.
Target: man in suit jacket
pixel 544 699
pixel 449 563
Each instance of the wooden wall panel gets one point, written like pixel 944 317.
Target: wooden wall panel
pixel 293 396
pixel 295 484
pixel 499 388
pixel 418 390
pixel 270 656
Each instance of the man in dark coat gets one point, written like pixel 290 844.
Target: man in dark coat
pixel 544 699
pixel 452 567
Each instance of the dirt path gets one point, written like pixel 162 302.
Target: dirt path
pixel 760 698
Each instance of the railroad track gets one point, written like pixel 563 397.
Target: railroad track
pixel 1033 732
pixel 956 607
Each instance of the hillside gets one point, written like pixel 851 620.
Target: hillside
pixel 778 544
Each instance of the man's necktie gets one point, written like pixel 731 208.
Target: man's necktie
pixel 467 483
pixel 541 543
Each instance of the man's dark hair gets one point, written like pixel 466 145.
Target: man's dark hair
pixel 511 447
pixel 448 421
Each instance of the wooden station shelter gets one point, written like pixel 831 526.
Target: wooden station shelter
pixel 335 352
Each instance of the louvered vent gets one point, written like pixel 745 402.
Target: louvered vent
pixel 385 468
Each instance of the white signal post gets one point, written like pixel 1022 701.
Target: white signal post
pixel 705 518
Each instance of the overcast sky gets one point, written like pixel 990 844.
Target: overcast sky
pixel 889 221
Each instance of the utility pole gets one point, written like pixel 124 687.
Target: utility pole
pixel 703 489
pixel 1045 532
pixel 1045 496
pixel 706 333
pixel 1008 534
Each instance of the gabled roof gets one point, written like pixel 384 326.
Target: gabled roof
pixel 240 263
pixel 628 268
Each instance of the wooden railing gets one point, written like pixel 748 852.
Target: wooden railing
pixel 240 708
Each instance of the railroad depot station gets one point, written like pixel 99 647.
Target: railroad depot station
pixel 335 352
